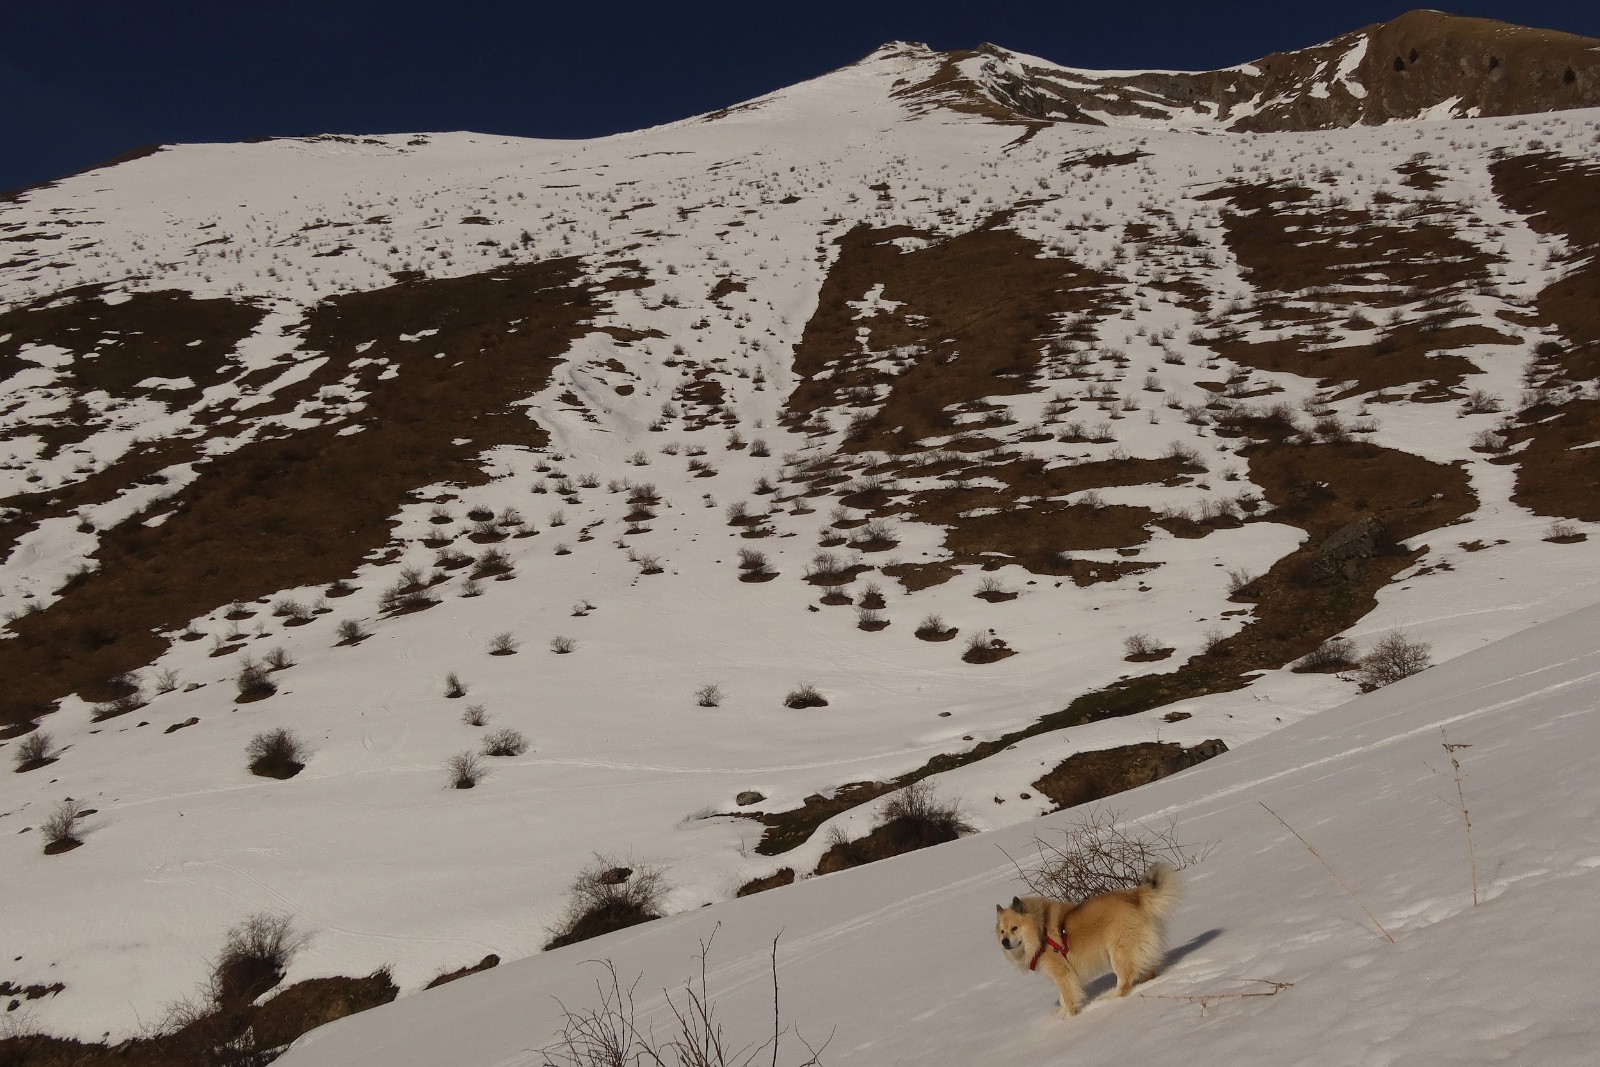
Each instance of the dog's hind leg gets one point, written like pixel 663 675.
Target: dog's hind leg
pixel 1147 960
pixel 1129 964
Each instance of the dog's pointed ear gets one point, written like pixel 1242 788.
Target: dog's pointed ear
pixel 1016 904
pixel 999 907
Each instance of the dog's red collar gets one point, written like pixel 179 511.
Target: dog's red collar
pixel 1049 943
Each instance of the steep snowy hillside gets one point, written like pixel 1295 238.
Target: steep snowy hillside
pixel 1044 453
pixel 1271 960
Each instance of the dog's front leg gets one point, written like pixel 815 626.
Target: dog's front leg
pixel 1067 985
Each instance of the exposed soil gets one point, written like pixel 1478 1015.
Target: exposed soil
pixel 1554 476
pixel 1316 252
pixel 974 311
pixel 893 838
pixel 1320 488
pixel 226 1035
pixel 489 961
pixel 307 508
pixel 613 915
pixel 782 876
pixel 1088 776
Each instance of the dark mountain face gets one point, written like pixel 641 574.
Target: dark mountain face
pixel 1424 64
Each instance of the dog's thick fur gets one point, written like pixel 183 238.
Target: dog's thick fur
pixel 1124 930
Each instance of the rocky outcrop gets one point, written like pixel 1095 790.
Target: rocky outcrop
pixel 1089 776
pixel 1344 551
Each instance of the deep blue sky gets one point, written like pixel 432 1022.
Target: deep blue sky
pixel 83 80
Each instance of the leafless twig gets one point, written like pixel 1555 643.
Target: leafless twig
pixel 1205 1000
pixel 1466 819
pixel 1331 871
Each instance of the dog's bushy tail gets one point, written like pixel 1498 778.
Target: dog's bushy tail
pixel 1159 890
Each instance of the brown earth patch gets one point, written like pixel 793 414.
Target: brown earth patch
pixel 974 311
pixel 306 509
pixel 893 838
pixel 782 876
pixel 1554 475
pixel 488 962
pixel 1025 521
pixel 237 1033
pixel 1088 776
pixel 1320 488
pixel 1317 252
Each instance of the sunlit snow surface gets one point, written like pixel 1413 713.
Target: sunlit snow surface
pixel 897 963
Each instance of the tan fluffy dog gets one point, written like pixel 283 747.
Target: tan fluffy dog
pixel 1124 930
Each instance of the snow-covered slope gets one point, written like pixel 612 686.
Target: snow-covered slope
pixel 897 964
pixel 1063 384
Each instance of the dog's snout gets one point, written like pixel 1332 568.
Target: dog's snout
pixel 1005 943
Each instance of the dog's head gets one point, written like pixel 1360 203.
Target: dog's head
pixel 1014 929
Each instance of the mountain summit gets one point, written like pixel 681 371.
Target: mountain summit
pixel 1422 65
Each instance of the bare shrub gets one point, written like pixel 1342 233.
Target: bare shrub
pixel 1334 654
pixel 874 536
pixel 607 896
pixel 607 1035
pixel 917 817
pixel 1563 532
pixel 127 694
pixel 991 588
pixel 1096 853
pixel 934 628
pixel 255 955
pixel 870 619
pixel 984 647
pixel 475 715
pixel 465 770
pixel 709 695
pixel 408 593
pixel 1241 582
pixel 1489 441
pixel 502 644
pixel 166 680
pixel 254 681
pixel 278 659
pixel 276 754
pixel 504 742
pixel 562 645
pixel 1479 402
pixel 350 632
pixel 752 560
pixel 453 686
pixel 805 695
pixel 491 564
pixel 1393 657
pixel 1139 646
pixel 60 827
pixel 35 750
